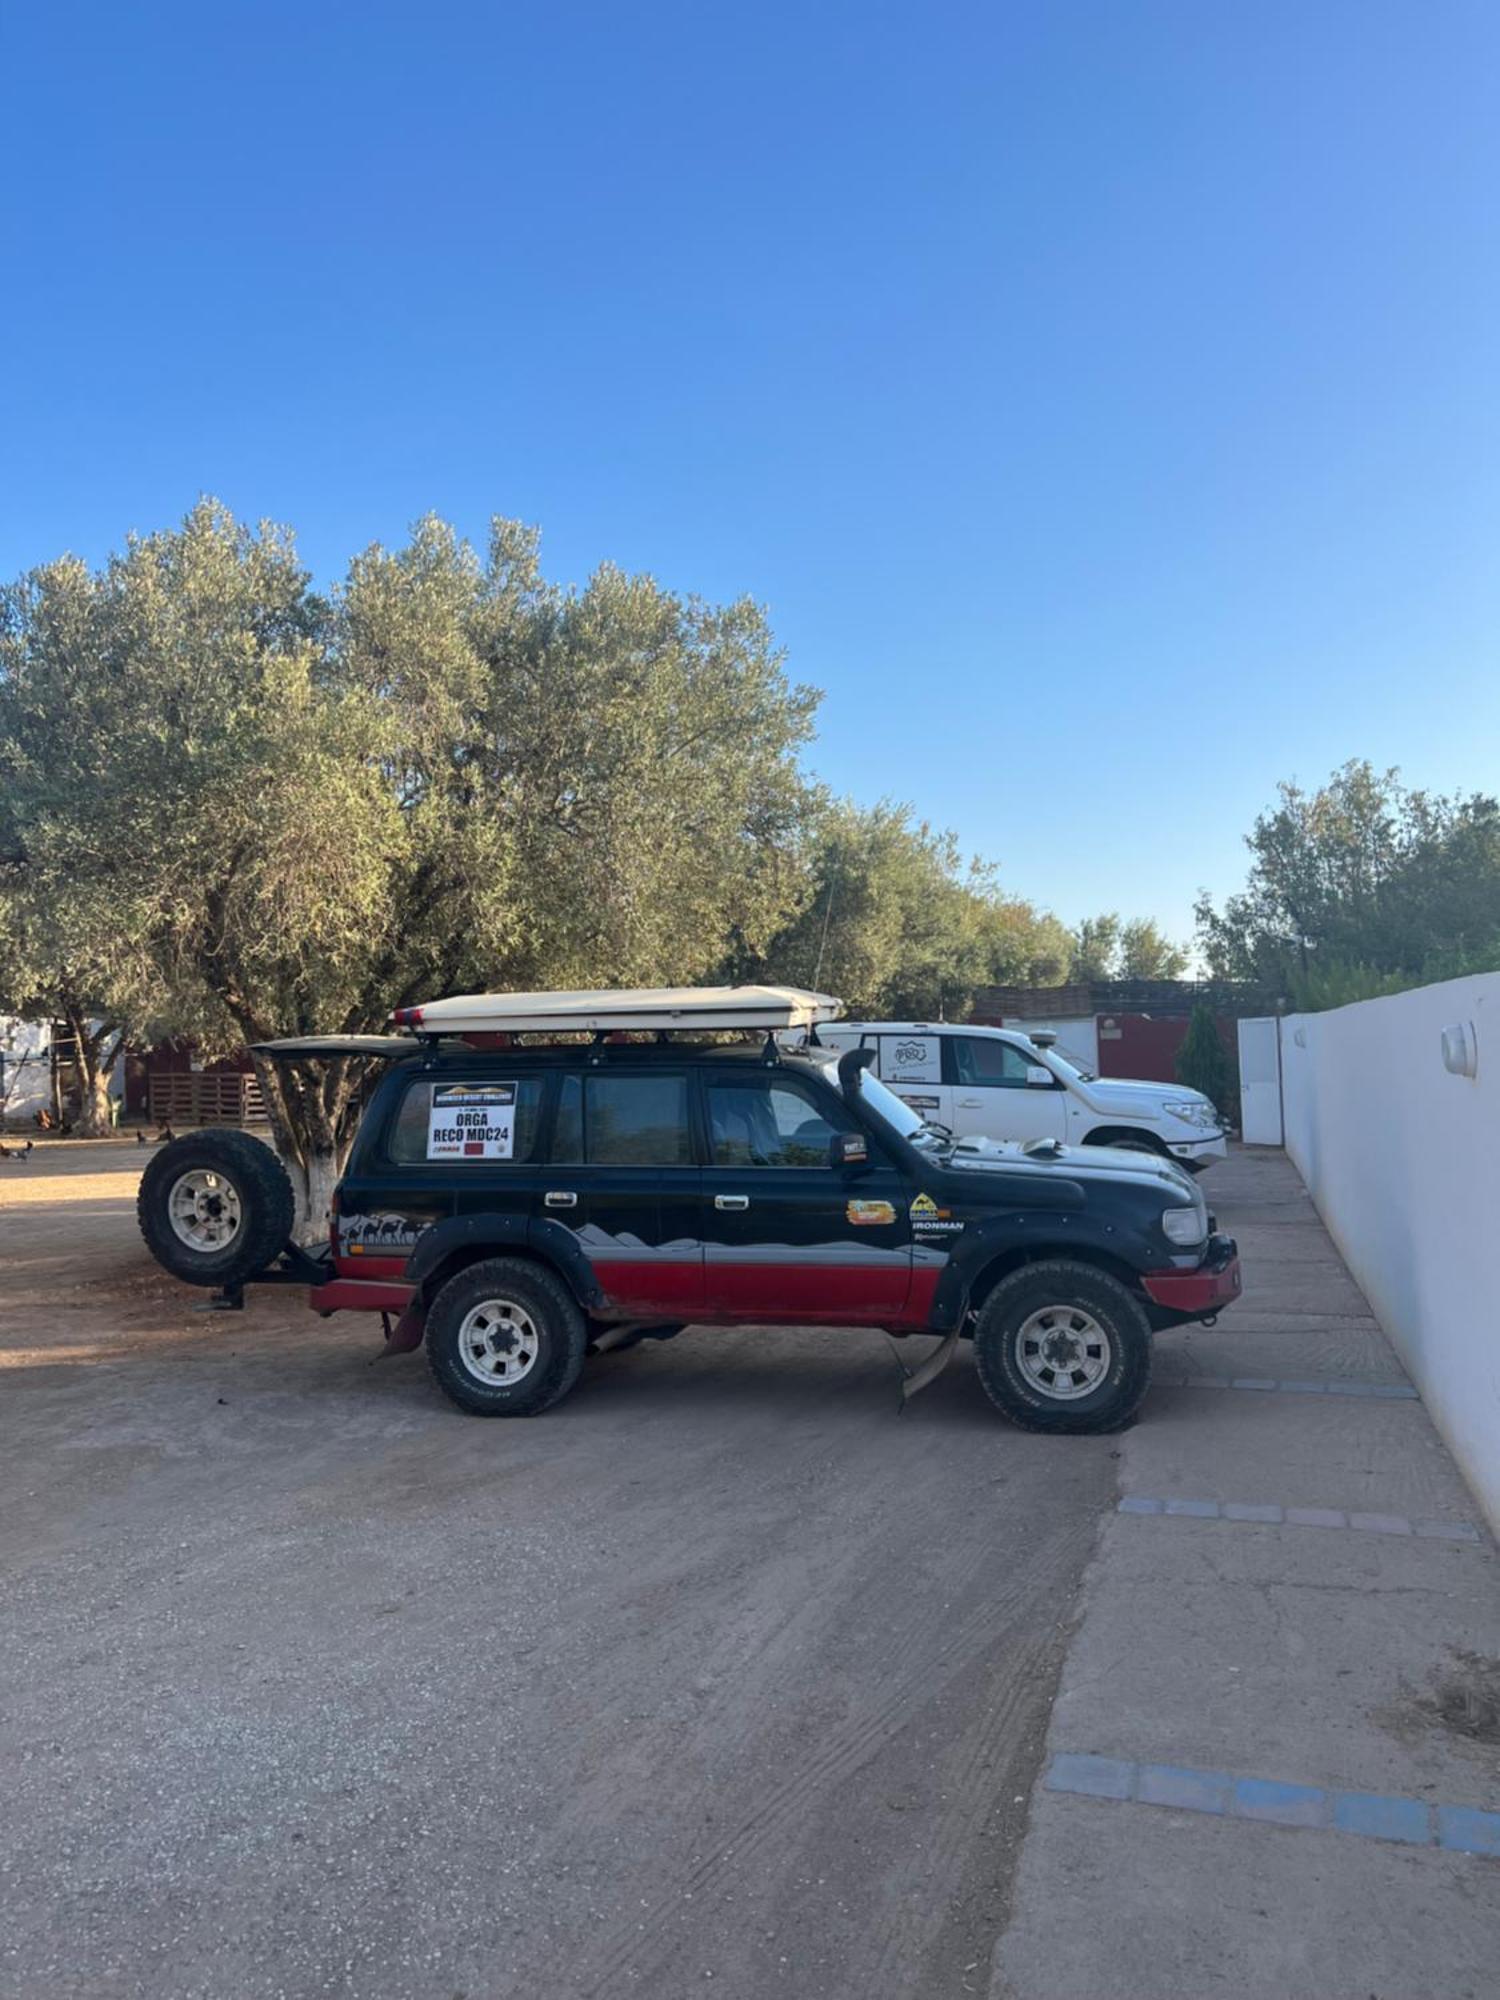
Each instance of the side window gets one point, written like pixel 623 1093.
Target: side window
pixel 623 1121
pixel 768 1122
pixel 997 1064
pixel 503 1120
pixel 911 1058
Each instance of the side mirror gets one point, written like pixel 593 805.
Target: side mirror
pixel 848 1149
pixel 1039 1077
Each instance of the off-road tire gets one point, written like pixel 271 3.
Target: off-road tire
pixel 260 1188
pixel 552 1310
pixel 1063 1283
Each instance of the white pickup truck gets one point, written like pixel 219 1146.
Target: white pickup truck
pixel 996 1083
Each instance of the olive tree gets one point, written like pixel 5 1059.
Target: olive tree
pixel 306 811
pixel 896 925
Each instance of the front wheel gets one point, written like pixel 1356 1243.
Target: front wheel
pixel 505 1338
pixel 1063 1346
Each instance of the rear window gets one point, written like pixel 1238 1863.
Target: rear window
pixel 623 1121
pixel 503 1117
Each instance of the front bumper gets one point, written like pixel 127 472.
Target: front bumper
pixel 1200 1152
pixel 1215 1284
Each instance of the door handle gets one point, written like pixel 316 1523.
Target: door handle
pixel 554 1198
pixel 731 1201
pixel 970 1104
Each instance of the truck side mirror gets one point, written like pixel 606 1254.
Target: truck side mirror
pixel 1039 1077
pixel 848 1149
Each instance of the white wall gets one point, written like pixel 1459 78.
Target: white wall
pixel 27 1069
pixel 1402 1159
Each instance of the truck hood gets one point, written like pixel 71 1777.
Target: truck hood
pixel 1074 1163
pixel 1118 1093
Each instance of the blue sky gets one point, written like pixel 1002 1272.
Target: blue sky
pixel 1103 398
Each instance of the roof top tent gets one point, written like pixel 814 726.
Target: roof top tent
pixel 767 1009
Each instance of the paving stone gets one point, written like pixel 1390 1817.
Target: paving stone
pixel 1316 1517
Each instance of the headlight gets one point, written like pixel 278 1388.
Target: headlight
pixel 1192 1113
pixel 1183 1225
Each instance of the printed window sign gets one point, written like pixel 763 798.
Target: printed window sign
pixel 911 1059
pixel 472 1121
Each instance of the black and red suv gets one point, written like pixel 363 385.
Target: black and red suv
pixel 520 1207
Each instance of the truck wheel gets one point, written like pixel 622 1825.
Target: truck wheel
pixel 505 1338
pixel 215 1207
pixel 1062 1346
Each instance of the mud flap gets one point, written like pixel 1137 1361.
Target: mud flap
pixel 406 1335
pixel 915 1380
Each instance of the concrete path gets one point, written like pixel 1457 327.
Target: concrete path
pixel 1273 1766
pixel 723 1677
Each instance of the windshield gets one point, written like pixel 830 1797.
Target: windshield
pixel 887 1105
pixel 1060 1062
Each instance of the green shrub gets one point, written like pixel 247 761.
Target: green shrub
pixel 1203 1063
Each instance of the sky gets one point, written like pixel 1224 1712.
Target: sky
pixel 1102 398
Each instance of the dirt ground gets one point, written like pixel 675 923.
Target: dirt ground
pixel 722 1676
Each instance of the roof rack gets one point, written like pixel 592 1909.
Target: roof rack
pixel 660 1009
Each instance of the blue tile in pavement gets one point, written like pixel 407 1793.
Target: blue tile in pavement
pixel 1286 1805
pixel 1468 1831
pixel 1381 1818
pixel 1190 1791
pixel 1095 1777
pixel 1273 1802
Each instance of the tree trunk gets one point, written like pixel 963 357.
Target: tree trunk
pixel 312 1130
pixel 314 1191
pixel 93 1116
pixel 95 1052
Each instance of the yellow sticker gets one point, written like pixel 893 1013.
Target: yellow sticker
pixel 866 1212
pixel 924 1207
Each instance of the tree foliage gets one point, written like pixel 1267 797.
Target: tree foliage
pixel 1360 883
pixel 1106 948
pixel 893 922
pixel 233 807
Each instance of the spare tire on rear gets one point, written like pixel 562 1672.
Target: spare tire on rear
pixel 215 1207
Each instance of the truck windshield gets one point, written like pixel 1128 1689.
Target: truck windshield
pixel 887 1105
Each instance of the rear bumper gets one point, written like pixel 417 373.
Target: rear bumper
pixel 1215 1284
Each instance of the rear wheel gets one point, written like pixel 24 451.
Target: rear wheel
pixel 505 1338
pixel 1063 1346
pixel 215 1207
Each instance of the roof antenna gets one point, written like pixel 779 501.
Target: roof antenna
pixel 823 941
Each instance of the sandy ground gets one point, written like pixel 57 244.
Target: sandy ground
pixel 723 1676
